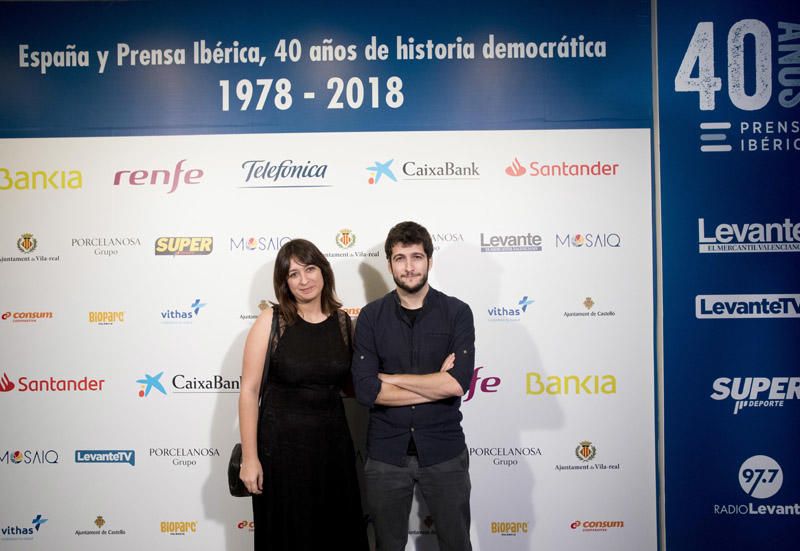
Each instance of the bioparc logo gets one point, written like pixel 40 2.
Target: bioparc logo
pixel 106 456
pixel 26 317
pixel 760 477
pixel 440 170
pixel 596 525
pixel 29 457
pixel 178 528
pixel 749 237
pixel 106 318
pixel 588 240
pixel 257 243
pixel 747 306
pixel 165 178
pixel 756 392
pixel 510 312
pixel 100 522
pixel 508 528
pixel 25 532
pixel 589 311
pixel 26 384
pixel 183 246
pixel 286 173
pixel 511 243
pixel 177 316
pixel 562 168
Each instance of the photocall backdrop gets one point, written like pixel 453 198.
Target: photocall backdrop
pixel 156 156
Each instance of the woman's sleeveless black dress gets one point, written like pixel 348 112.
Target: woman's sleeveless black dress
pixel 311 498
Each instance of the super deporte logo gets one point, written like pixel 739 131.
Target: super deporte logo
pixel 756 392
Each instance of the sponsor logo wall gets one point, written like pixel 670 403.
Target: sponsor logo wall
pixel 136 262
pixel 729 156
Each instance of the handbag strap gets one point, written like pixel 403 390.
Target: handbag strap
pixel 272 332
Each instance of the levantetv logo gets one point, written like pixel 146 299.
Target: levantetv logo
pixel 747 306
pixel 106 456
pixel 750 237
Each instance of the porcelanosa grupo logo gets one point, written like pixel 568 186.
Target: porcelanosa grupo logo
pixel 756 392
pixel 501 456
pixel 165 178
pixel 106 246
pixel 749 237
pixel 183 316
pixel 183 457
pixel 25 532
pixel 286 173
pixel 562 168
pixel 441 239
pixel 747 306
pixel 761 478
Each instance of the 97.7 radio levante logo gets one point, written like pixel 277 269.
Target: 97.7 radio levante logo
pixel 752 51
pixel 760 477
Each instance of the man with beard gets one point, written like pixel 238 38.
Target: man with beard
pixel 413 360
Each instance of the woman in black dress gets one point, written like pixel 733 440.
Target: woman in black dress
pixel 297 454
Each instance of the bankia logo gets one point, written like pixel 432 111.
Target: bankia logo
pixel 761 478
pixel 106 246
pixel 756 392
pixel 510 312
pixel 588 240
pixel 165 178
pixel 256 244
pixel 106 456
pixel 26 317
pixel 51 384
pixel 557 385
pixel 747 306
pixel 285 173
pixel 511 243
pixel 487 384
pixel 749 237
pixel 177 316
pixel 185 245
pixel 33 180
pixel 13 532
pixel 591 168
pixel 29 457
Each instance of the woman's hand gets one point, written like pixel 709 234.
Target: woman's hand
pixel 253 476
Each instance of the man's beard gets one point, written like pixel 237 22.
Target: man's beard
pixel 411 290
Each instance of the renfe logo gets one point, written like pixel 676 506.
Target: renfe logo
pixel 747 306
pixel 162 176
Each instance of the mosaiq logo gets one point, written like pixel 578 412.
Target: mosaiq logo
pixel 588 240
pixel 749 237
pixel 756 392
pixel 29 457
pixel 258 243
pixel 286 173
pixel 761 478
pixel 164 178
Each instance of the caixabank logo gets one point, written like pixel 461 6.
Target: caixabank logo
pixel 11 532
pixel 747 306
pixel 188 384
pixel 761 478
pixel 749 237
pixel 427 170
pixel 755 392
pixel 184 246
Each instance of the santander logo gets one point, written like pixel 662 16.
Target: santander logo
pixel 515 169
pixel 6 384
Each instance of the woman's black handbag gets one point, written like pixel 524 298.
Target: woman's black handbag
pixel 235 484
